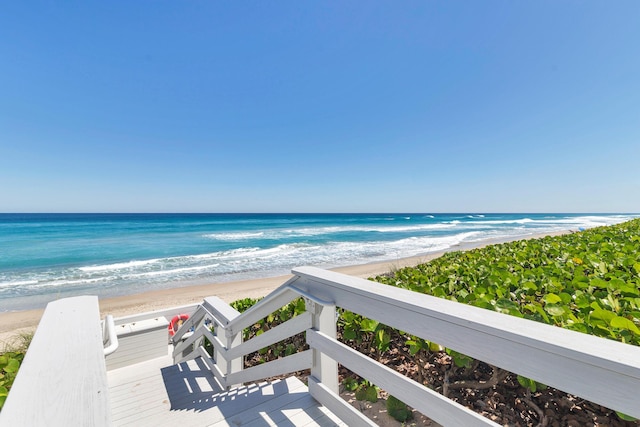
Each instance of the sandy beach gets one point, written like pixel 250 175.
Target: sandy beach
pixel 14 323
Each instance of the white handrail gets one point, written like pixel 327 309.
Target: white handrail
pixel 600 370
pixel 63 378
pixel 111 336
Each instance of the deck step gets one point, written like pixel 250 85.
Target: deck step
pixel 157 393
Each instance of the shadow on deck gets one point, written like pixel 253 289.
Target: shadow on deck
pixel 187 394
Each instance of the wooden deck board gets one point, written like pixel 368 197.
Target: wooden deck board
pixel 157 393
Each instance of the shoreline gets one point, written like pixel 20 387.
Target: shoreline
pixel 14 323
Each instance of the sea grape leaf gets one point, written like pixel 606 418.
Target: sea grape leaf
pixel 414 346
pixel 367 392
pixel 350 384
pixel 372 394
pixel 483 304
pixel 601 314
pixel 581 300
pixel 349 334
pixel 625 417
pixel 527 383
pixel 368 325
pixel 398 409
pixel 565 297
pixel 554 310
pixel 552 299
pixel 435 347
pixel 624 323
pixel 300 306
pixel 383 339
pixel 459 359
pixel 509 307
pixel 602 267
pixel 12 366
pixel 629 290
pixel 361 393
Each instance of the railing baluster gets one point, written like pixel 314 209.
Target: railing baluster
pixel 237 364
pixel 324 368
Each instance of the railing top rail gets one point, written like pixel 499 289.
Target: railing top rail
pixel 222 311
pixel 276 299
pixel 63 378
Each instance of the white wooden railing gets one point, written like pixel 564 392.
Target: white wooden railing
pixel 63 379
pixel 599 370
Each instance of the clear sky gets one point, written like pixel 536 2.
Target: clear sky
pixel 320 106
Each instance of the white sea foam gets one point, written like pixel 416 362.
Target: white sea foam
pixel 501 221
pixel 324 246
pixel 119 265
pixel 175 271
pixel 68 282
pixel 584 221
pixel 321 231
pixel 16 283
pixel 234 236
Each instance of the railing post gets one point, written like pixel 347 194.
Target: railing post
pixel 234 365
pixel 324 369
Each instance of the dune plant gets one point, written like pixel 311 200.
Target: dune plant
pixel 588 282
pixel 398 409
pixel 9 365
pixel 10 360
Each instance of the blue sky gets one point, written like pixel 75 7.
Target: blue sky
pixel 416 106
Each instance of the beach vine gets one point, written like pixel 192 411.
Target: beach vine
pixel 11 358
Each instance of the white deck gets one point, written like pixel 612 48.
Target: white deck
pixel 157 393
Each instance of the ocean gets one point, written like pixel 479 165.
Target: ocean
pixel 48 256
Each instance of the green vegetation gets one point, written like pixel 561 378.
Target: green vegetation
pixel 588 281
pixel 10 359
pixel 9 365
pixel 398 410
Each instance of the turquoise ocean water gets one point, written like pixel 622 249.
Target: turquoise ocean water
pixel 49 256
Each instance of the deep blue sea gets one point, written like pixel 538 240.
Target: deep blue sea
pixel 48 256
